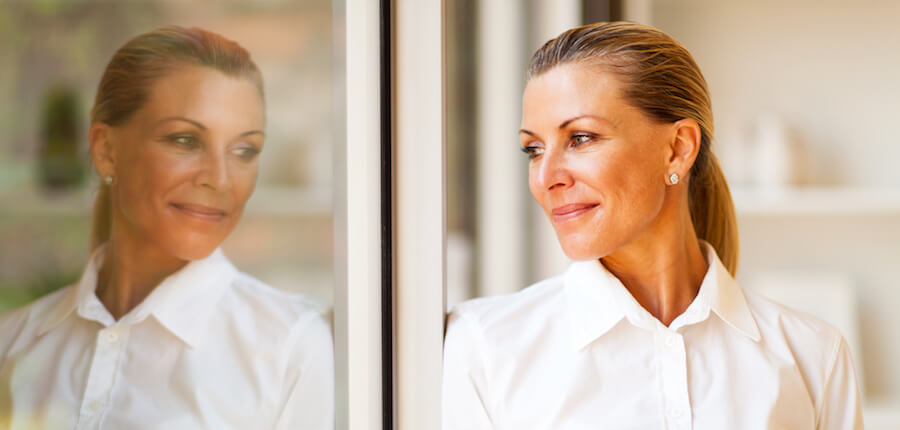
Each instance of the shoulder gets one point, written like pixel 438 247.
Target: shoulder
pixel 817 348
pixel 776 320
pixel 810 342
pixel 21 324
pixel 510 313
pixel 277 310
pixel 290 319
pixel 285 331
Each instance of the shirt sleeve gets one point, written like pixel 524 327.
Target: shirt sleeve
pixel 465 395
pixel 840 404
pixel 309 403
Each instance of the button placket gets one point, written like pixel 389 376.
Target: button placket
pixel 108 350
pixel 673 359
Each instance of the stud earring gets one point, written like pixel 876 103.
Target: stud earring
pixel 108 180
pixel 673 178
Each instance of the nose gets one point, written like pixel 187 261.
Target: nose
pixel 214 173
pixel 553 171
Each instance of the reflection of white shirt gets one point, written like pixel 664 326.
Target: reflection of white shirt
pixel 578 352
pixel 209 348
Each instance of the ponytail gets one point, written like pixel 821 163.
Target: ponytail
pixel 102 217
pixel 712 211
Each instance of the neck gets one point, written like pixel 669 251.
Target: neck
pixel 130 272
pixel 662 269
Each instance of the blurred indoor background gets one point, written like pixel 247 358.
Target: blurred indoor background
pixel 52 54
pixel 806 99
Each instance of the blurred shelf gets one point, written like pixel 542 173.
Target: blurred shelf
pixel 805 201
pixel 265 201
pixel 36 202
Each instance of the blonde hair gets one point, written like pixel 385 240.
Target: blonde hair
pixel 139 63
pixel 663 80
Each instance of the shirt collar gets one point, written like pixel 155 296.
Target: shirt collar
pixel 721 294
pixel 182 302
pixel 79 293
pixel 598 301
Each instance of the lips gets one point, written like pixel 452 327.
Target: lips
pixel 200 212
pixel 571 211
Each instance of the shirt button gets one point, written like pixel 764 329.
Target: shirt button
pixel 670 340
pixel 96 406
pixel 111 337
pixel 676 412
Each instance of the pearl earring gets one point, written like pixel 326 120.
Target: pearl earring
pixel 108 179
pixel 673 178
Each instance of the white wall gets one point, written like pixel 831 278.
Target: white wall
pixel 830 68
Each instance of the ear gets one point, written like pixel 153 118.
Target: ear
pixel 102 153
pixel 685 147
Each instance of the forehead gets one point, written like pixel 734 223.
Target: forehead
pixel 206 95
pixel 571 90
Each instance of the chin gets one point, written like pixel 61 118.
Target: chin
pixel 579 251
pixel 585 247
pixel 191 247
pixel 579 254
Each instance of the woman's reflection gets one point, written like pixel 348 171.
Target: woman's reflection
pixel 162 331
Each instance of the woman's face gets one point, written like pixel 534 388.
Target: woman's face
pixel 186 162
pixel 598 165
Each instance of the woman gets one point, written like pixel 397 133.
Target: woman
pixel 648 328
pixel 162 331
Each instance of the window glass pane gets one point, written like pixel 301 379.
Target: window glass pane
pixel 52 56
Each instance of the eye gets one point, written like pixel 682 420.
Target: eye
pixel 579 139
pixel 184 140
pixel 532 151
pixel 247 152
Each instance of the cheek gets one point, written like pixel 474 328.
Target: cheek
pixel 536 191
pixel 144 180
pixel 243 177
pixel 639 193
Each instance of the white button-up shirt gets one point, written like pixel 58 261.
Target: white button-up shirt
pixel 578 352
pixel 209 348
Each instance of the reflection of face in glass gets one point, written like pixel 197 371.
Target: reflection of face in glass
pixel 597 163
pixel 186 162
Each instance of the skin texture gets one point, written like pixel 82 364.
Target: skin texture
pixel 599 169
pixel 184 165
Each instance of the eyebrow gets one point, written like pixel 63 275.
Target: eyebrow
pixel 248 133
pixel 181 118
pixel 203 127
pixel 563 124
pixel 594 117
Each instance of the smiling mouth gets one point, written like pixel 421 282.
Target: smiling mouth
pixel 569 212
pixel 203 213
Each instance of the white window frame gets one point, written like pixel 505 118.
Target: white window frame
pixel 419 211
pixel 357 220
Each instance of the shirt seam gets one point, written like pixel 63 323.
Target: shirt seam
pixel 291 342
pixel 835 351
pixel 488 399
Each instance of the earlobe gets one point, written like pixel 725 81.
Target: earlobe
pixel 101 149
pixel 673 179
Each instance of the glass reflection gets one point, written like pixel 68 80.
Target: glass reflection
pixel 160 328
